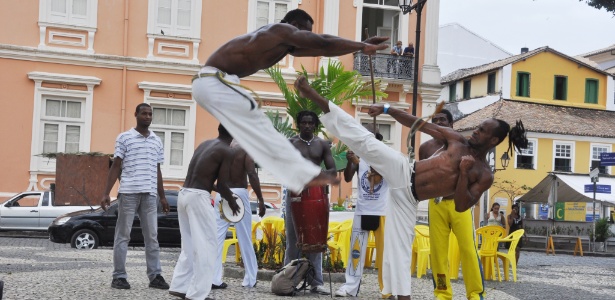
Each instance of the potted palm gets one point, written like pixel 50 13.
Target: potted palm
pixel 602 233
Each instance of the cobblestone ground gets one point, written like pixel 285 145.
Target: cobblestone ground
pixel 34 268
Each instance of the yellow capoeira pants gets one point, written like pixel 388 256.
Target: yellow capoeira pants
pixel 442 219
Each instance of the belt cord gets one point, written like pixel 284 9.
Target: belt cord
pixel 220 75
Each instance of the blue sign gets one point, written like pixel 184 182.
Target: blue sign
pixel 600 188
pixel 607 159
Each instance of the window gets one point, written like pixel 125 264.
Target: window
pixel 523 84
pixel 491 83
pixel 466 89
pixel 62 116
pixel 563 156
pixel 560 87
pixel 394 3
pixel 269 12
pixel 452 92
pixel 69 12
pixel 591 91
pixel 526 159
pixel 62 122
pixel 173 121
pixel 595 158
pixel 384 129
pixel 175 18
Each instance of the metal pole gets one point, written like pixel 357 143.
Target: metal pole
pixel 417 51
pixel 594 215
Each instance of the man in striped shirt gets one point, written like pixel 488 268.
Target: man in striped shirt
pixel 138 155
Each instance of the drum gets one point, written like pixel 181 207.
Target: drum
pixel 226 213
pixel 310 212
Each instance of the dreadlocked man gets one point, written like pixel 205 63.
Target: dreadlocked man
pixel 460 169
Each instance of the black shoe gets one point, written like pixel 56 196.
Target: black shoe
pixel 178 294
pixel 120 283
pixel 219 287
pixel 159 283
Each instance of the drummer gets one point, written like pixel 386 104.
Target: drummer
pixel 242 169
pixel 317 151
pixel 193 273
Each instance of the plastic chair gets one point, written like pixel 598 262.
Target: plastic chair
pixel 228 243
pixel 369 251
pixel 509 258
pixel 454 257
pixel 273 228
pixel 339 245
pixel 420 253
pixel 489 235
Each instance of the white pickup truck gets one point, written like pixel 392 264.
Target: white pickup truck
pixel 33 211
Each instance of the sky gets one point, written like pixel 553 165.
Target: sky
pixel 568 26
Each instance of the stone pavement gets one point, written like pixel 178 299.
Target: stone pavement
pixel 34 268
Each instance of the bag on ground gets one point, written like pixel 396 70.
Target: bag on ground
pixel 292 278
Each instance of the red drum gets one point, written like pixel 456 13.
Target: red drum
pixel 311 219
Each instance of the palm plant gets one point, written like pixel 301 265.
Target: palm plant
pixel 335 84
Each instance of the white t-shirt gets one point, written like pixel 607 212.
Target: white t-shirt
pixel 370 204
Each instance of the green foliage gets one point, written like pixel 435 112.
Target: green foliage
pixel 602 230
pixel 336 266
pixel 510 188
pixel 609 5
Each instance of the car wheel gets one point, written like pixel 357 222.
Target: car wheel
pixel 84 239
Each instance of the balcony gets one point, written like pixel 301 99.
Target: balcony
pixel 385 66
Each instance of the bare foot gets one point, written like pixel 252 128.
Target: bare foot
pixel 323 179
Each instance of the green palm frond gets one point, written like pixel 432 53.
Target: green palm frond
pixel 282 126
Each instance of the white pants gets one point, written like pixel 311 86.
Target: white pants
pixel 243 228
pixel 401 208
pixel 193 273
pixel 354 274
pixel 253 129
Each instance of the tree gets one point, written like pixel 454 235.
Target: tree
pixel 510 188
pixel 609 5
pixel 335 84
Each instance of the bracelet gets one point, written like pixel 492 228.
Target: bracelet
pixel 386 108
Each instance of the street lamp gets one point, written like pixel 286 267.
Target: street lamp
pixel 505 159
pixel 406 6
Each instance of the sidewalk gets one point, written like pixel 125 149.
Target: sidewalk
pixel 38 269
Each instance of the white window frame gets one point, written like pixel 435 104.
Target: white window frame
pixel 591 154
pixel 395 141
pixel 572 153
pixel 193 32
pixel 45 165
pixel 404 19
pixel 292 4
pixel 168 171
pixel 523 152
pixel 89 24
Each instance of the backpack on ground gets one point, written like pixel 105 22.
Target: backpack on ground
pixel 292 278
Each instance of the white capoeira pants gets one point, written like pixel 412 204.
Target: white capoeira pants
pixel 401 208
pixel 243 230
pixel 252 129
pixel 193 273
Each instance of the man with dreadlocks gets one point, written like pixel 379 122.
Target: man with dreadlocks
pixel 460 169
pixel 318 151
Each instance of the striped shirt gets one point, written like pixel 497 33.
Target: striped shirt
pixel 140 158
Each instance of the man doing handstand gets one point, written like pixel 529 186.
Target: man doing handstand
pixel 460 169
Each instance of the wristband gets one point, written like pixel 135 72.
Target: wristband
pixel 386 108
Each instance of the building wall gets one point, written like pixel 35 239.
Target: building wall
pixel 543 67
pixel 118 58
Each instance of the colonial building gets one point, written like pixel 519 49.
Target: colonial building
pixel 76 70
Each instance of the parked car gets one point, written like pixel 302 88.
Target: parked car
pixel 88 229
pixel 34 210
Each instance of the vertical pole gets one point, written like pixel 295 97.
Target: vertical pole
pixel 594 215
pixel 417 51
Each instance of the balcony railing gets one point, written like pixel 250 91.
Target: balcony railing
pixel 562 168
pixel 385 65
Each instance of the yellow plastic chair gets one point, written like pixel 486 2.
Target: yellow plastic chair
pixel 273 228
pixel 257 233
pixel 509 258
pixel 421 251
pixel 339 245
pixel 369 251
pixel 228 243
pixel 489 235
pixel 454 257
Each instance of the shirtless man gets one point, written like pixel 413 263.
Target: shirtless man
pixel 193 275
pixel 442 219
pixel 316 150
pixel 240 166
pixel 216 88
pixel 460 169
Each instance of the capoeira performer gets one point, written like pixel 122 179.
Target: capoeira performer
pixel 369 216
pixel 460 169
pixel 241 165
pixel 442 219
pixel 216 88
pixel 193 275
